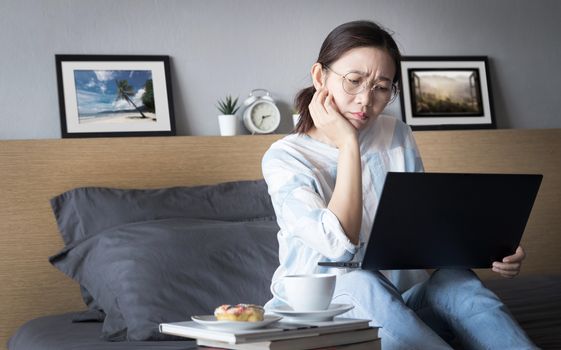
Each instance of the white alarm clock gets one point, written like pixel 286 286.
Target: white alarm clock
pixel 261 114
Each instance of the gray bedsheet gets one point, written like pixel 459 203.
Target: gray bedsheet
pixel 59 333
pixel 534 301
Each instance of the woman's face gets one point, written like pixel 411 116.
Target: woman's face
pixel 372 66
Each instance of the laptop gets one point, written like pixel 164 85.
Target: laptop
pixel 447 220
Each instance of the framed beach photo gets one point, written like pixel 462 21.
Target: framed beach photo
pixel 446 93
pixel 114 95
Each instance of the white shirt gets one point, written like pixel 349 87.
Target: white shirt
pixel 301 172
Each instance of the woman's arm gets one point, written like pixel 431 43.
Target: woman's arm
pixel 346 201
pixel 301 211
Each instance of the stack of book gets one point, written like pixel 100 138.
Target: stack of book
pixel 340 333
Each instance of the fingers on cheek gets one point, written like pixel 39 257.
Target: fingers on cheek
pixel 312 112
pixel 317 96
pixel 327 102
pixel 316 103
pixel 330 103
pixel 325 97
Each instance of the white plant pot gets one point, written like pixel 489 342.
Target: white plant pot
pixel 228 124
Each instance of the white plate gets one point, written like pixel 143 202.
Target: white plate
pixel 291 315
pixel 210 322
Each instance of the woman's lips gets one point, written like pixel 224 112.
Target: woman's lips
pixel 360 115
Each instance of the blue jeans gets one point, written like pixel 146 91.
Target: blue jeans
pixel 451 303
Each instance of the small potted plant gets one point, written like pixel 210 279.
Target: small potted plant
pixel 228 121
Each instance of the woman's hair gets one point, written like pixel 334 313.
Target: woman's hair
pixel 345 37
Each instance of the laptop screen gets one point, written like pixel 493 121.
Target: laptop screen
pixel 449 220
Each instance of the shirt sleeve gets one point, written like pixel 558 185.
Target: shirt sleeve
pixel 413 160
pixel 301 211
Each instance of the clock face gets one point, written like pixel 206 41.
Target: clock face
pixel 265 116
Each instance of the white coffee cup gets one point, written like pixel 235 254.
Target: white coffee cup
pixel 306 292
pixel 228 124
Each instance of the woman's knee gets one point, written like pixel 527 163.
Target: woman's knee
pixel 451 284
pixel 455 278
pixel 458 289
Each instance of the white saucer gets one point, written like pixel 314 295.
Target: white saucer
pixel 291 315
pixel 210 322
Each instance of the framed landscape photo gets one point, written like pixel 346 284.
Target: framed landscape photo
pixel 446 93
pixel 114 95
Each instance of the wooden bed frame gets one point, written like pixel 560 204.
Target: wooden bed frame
pixel 31 172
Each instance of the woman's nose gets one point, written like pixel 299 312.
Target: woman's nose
pixel 365 97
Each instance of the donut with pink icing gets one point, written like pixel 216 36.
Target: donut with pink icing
pixel 240 312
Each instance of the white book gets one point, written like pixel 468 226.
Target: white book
pixel 320 341
pixel 280 330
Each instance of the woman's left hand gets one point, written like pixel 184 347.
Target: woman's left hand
pixel 510 266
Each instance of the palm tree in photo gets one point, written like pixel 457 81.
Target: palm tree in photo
pixel 148 96
pixel 124 92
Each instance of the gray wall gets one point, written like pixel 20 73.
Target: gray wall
pixel 221 47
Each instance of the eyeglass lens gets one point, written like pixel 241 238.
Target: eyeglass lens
pixel 354 83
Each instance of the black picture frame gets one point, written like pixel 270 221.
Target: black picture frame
pixel 114 95
pixel 446 92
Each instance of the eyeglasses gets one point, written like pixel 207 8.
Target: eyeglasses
pixel 354 83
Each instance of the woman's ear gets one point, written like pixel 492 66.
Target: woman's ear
pixel 317 76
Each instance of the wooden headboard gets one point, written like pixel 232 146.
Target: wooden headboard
pixel 31 172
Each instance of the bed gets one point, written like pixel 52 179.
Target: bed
pixel 38 302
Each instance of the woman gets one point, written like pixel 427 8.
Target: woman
pixel 325 181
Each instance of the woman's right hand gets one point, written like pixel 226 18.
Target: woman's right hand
pixel 346 201
pixel 328 120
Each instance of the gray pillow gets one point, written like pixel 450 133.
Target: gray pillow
pixel 166 270
pixel 86 211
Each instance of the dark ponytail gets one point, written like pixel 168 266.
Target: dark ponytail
pixel 301 103
pixel 345 37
